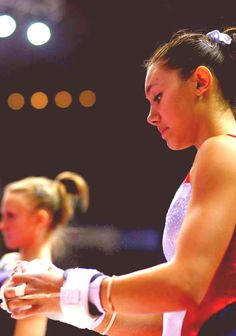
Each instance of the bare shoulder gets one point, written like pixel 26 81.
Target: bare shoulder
pixel 219 146
pixel 216 158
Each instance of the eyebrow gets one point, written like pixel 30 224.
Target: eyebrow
pixel 148 89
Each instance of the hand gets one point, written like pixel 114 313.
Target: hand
pixel 41 278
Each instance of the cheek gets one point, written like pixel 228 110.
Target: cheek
pixel 181 114
pixel 20 232
pixel 172 108
pixel 12 236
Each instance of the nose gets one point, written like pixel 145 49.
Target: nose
pixel 2 224
pixel 153 117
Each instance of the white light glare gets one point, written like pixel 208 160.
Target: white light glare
pixel 7 25
pixel 38 33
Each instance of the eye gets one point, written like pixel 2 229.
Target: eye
pixel 10 215
pixel 157 98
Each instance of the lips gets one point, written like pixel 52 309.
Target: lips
pixel 162 130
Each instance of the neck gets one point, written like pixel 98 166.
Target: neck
pixel 42 251
pixel 219 124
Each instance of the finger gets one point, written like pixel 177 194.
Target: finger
pixel 12 304
pixel 33 267
pixel 18 304
pixel 19 278
pixel 30 275
pixel 21 314
pixel 10 292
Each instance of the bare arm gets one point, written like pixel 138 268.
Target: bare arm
pixel 134 325
pixel 34 325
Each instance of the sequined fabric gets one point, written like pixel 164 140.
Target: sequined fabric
pixel 172 321
pixel 174 219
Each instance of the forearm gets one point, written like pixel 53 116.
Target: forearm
pixel 34 325
pixel 148 291
pixel 133 325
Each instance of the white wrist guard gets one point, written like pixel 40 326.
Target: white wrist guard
pixel 74 299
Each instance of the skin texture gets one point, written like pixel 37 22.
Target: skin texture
pixel 187 113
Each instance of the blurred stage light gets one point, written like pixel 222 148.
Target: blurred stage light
pixel 39 100
pixel 38 33
pixel 7 26
pixel 63 99
pixel 87 98
pixel 16 101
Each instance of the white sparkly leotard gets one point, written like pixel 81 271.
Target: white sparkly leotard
pixel 172 321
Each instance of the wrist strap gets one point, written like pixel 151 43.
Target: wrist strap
pixel 74 298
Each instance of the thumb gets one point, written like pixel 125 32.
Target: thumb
pixel 19 278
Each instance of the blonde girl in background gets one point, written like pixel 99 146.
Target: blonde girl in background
pixel 34 210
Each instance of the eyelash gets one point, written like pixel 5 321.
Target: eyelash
pixel 157 98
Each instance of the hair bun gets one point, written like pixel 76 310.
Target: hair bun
pixel 231 32
pixel 70 186
pixel 231 50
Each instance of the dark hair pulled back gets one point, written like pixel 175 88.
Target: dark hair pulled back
pixel 187 50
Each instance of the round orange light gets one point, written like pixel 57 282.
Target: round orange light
pixel 63 99
pixel 16 101
pixel 87 98
pixel 39 100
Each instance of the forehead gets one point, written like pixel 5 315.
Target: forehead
pixel 159 76
pixel 16 200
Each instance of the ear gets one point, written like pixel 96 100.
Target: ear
pixel 203 79
pixel 43 218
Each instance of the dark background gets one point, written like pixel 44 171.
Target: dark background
pixel 101 45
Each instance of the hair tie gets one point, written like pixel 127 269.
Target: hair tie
pixel 39 190
pixel 220 38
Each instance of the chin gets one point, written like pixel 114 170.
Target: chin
pixel 176 146
pixel 10 245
